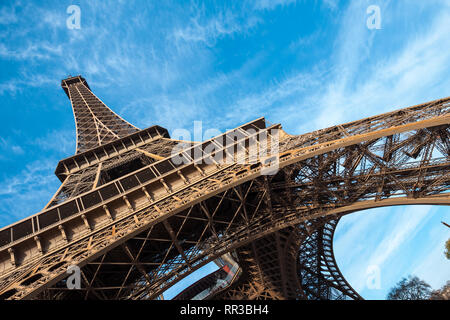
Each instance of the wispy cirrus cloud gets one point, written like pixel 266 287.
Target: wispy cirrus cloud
pixel 386 82
pixel 397 241
pixel 7 146
pixel 28 191
pixel 8 15
pixel 429 267
pixel 359 80
pixel 271 4
pixel 31 51
pixel 61 141
pixel 24 80
pixel 173 63
pixel 209 30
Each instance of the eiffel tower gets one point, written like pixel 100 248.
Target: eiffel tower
pixel 138 211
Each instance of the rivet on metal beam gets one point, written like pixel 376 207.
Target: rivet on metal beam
pixel 182 177
pixel 165 185
pixel 176 198
pixel 199 169
pixel 157 208
pixel 63 232
pixel 38 243
pixel 86 222
pixel 108 213
pixel 13 258
pixel 125 198
pixel 149 197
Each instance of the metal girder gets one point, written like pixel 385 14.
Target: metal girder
pixel 96 124
pixel 149 233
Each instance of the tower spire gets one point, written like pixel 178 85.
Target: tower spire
pixel 96 124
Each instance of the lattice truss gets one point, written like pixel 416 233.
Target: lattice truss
pixel 269 269
pixel 96 124
pixel 317 269
pixel 280 226
pixel 91 177
pixel 277 269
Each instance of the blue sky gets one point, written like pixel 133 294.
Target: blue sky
pixel 305 64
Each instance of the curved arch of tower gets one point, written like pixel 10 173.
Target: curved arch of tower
pixel 138 211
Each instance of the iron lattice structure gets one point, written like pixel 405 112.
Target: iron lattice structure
pixel 136 221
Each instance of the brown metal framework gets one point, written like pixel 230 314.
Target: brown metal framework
pixel 96 124
pixel 136 222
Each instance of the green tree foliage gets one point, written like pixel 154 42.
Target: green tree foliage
pixel 411 288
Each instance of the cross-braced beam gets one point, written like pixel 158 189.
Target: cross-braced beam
pixel 139 224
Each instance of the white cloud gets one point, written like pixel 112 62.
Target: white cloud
pixel 208 30
pixel 435 267
pixel 272 4
pixel 7 145
pixel 358 79
pixel 388 81
pixel 378 237
pixel 173 83
pixel 24 80
pixel 60 141
pixel 364 82
pixel 407 224
pixel 8 15
pixel 31 52
pixel 330 4
pixel 28 191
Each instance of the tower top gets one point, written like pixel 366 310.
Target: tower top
pixel 96 124
pixel 71 80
